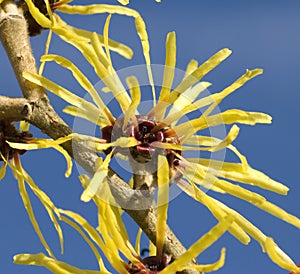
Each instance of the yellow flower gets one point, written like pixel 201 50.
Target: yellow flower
pixel 161 130
pixel 13 144
pixel 111 238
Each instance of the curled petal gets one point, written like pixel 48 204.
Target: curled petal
pixel 279 257
pixel 82 80
pixel 51 264
pixel 197 74
pixel 17 169
pixel 120 48
pixel 87 115
pixel 60 91
pixel 97 180
pixel 41 19
pixel 36 143
pixel 199 246
pixel 235 172
pixel 209 267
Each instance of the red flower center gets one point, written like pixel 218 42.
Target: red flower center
pixel 146 133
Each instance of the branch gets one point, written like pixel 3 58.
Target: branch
pixel 14 109
pixel 15 39
pixel 36 109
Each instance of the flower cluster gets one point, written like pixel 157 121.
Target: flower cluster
pixel 160 136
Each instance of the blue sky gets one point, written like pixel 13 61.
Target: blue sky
pixel 263 34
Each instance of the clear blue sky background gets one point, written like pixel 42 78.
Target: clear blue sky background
pixel 263 34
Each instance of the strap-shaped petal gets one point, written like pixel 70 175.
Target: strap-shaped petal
pixel 17 169
pixel 135 92
pixel 197 74
pixel 2 169
pixel 75 226
pixel 82 80
pixel 55 266
pixel 209 267
pixel 199 246
pixel 235 172
pixel 97 180
pixel 115 46
pixel 139 24
pixel 41 19
pixel 279 257
pixel 162 202
pixel 193 191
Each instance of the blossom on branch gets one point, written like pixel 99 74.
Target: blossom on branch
pixel 160 135
pixel 12 145
pixel 111 238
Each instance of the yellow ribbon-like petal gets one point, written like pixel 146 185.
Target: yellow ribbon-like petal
pixel 208 141
pixel 112 81
pixel 193 191
pixel 87 115
pixel 139 24
pixel 60 91
pixel 39 17
pixel 184 103
pixel 236 85
pixel 97 179
pixel 192 66
pixel 279 257
pixel 199 246
pixel 257 200
pixel 98 48
pixel 55 266
pixel 135 92
pixel 105 36
pixel 235 172
pixel 227 117
pixel 115 46
pixel 36 143
pixel 82 80
pixel 16 167
pixel 209 267
pixel 124 2
pixel 138 241
pixel 197 74
pixel 86 239
pixel 162 202
pixel 169 69
pixel 95 237
pixel 47 46
pixel 2 169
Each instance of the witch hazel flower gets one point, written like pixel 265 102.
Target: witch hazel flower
pixel 142 138
pixel 13 144
pixel 111 238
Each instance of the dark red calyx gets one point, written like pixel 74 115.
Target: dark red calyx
pixel 150 265
pixel 8 132
pixel 146 132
